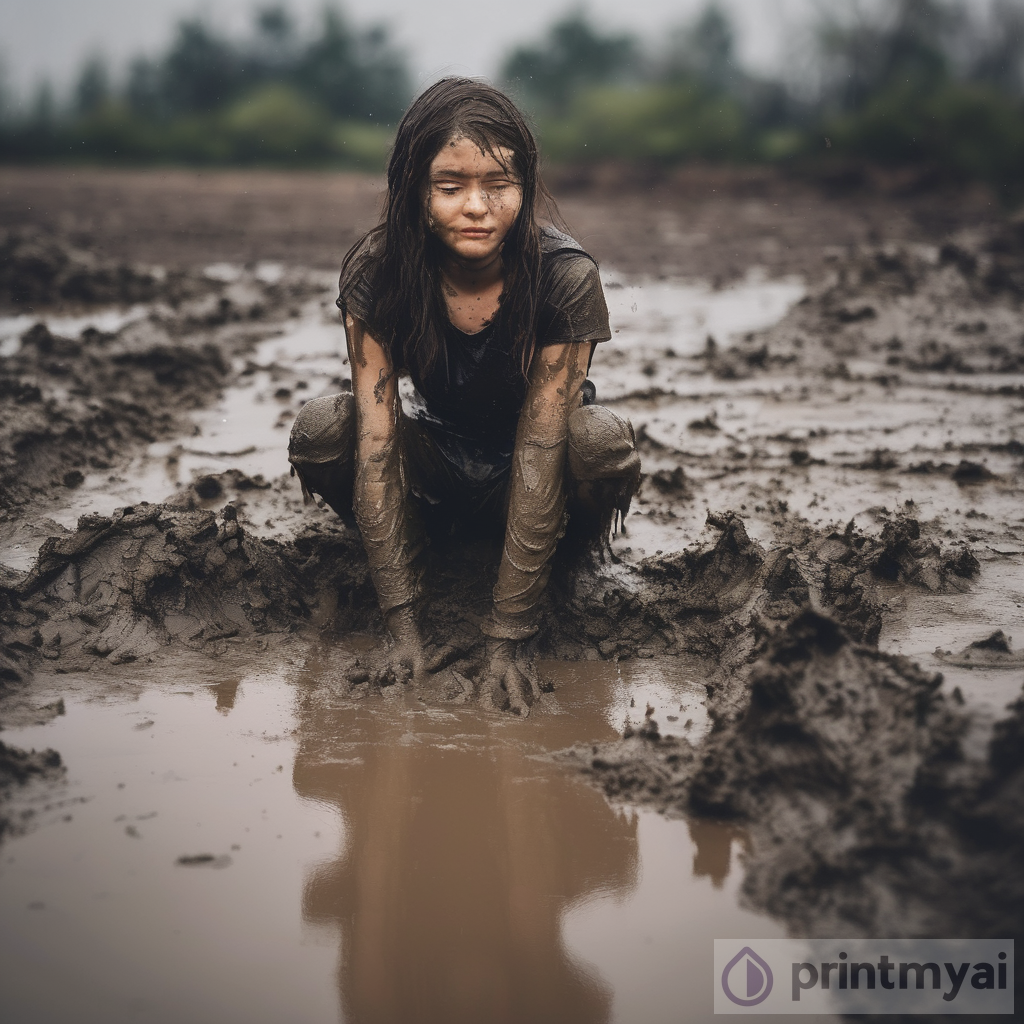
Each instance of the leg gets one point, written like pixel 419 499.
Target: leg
pixel 322 450
pixel 603 472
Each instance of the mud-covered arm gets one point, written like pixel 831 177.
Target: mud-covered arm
pixel 380 495
pixel 537 499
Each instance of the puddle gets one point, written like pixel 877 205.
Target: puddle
pixel 106 320
pixel 374 861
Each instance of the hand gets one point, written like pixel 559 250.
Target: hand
pixel 402 659
pixel 508 679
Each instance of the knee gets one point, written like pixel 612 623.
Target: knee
pixel 602 445
pixel 324 431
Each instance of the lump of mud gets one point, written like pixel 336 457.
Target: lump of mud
pixel 203 860
pixel 39 269
pixel 723 594
pixel 715 579
pixel 968 472
pixel 670 483
pixel 122 586
pixel 904 307
pixel 18 768
pixel 818 706
pixel 903 555
pixel 994 651
pixel 217 486
pixel 847 768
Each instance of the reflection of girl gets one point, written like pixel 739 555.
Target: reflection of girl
pixel 494 319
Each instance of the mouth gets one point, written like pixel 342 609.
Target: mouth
pixel 476 232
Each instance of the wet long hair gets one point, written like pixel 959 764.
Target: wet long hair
pixel 400 259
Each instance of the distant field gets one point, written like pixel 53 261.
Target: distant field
pixel 702 222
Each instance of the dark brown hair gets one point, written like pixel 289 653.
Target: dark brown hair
pixel 400 258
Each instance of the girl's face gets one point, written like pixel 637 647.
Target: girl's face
pixel 472 201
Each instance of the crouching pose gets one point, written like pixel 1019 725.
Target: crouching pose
pixel 494 318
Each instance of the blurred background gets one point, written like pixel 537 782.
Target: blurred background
pixel 930 88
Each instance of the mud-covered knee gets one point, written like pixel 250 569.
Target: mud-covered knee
pixel 602 445
pixel 324 431
pixel 321 450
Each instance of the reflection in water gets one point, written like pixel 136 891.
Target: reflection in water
pixel 712 849
pixel 226 690
pixel 475 880
pixel 462 854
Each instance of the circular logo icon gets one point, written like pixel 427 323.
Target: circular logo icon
pixel 746 972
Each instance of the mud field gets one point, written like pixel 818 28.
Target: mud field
pixel 787 703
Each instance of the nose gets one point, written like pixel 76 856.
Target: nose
pixel 476 202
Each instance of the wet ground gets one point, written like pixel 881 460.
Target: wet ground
pixel 255 849
pixel 832 459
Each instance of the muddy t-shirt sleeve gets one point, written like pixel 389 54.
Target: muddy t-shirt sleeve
pixel 354 292
pixel 573 308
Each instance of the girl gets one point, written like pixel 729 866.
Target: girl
pixel 494 318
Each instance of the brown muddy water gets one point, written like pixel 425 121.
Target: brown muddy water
pixel 257 849
pixel 239 838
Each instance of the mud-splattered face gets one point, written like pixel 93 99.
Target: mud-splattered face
pixel 472 200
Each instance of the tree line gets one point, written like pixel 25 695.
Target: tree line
pixel 934 84
pixel 277 95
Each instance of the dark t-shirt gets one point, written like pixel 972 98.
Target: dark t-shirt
pixel 471 400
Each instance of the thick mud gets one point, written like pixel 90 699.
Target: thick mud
pixel 850 771
pixel 828 536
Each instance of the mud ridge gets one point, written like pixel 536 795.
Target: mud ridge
pixel 41 268
pixel 953 308
pixel 124 587
pixel 847 769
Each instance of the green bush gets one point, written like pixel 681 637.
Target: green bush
pixel 111 130
pixel 969 130
pixel 360 145
pixel 276 124
pixel 661 123
pixel 273 126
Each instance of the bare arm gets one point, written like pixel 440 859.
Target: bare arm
pixel 380 498
pixel 537 500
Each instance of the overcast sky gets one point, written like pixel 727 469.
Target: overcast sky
pixel 50 38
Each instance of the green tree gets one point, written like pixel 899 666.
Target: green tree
pixel 200 72
pixel 909 42
pixel 93 88
pixel 705 50
pixel 998 59
pixel 354 74
pixel 573 56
